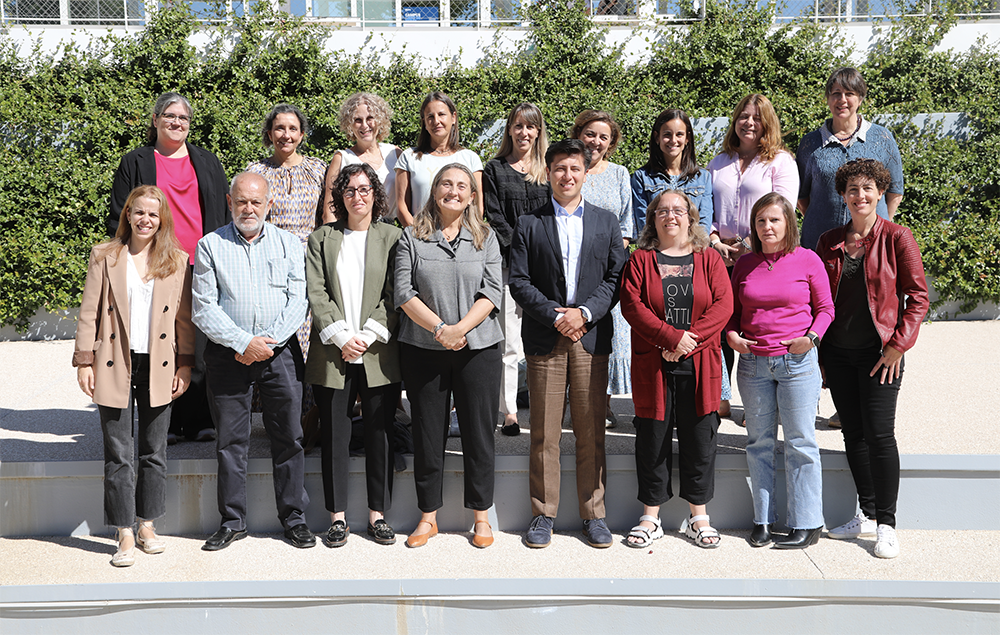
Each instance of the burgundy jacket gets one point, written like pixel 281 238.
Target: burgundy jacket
pixel 894 276
pixel 642 307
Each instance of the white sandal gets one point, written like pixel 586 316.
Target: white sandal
pixel 701 537
pixel 124 557
pixel 149 545
pixel 645 535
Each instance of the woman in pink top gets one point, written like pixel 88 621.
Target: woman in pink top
pixel 781 308
pixel 195 185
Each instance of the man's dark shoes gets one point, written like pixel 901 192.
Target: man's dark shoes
pixel 300 536
pixel 539 532
pixel 336 535
pixel 223 538
pixel 760 536
pixel 597 532
pixel 381 532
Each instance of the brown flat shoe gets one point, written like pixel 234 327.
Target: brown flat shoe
pixel 421 540
pixel 482 541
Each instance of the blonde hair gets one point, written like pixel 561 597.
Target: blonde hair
pixel 428 219
pixel 165 254
pixel 531 114
pixel 697 236
pixel 770 141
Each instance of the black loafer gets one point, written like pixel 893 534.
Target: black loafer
pixel 381 532
pixel 223 538
pixel 300 536
pixel 760 536
pixel 799 539
pixel 511 430
pixel 336 535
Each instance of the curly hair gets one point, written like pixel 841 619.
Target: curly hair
pixel 770 141
pixel 864 168
pixel 697 236
pixel 380 205
pixel 282 109
pixel 377 108
pixel 588 117
pixel 791 223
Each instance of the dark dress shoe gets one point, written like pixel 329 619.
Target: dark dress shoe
pixel 381 532
pixel 511 430
pixel 336 535
pixel 223 538
pixel 799 539
pixel 760 536
pixel 300 536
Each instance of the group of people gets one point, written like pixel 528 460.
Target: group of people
pixel 334 285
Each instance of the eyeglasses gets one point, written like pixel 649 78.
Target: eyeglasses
pixel 364 191
pixel 170 117
pixel 677 211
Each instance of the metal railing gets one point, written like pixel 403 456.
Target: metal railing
pixel 447 13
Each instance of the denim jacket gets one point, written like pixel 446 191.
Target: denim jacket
pixel 645 186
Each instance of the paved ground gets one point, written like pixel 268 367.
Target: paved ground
pixel 925 555
pixel 946 405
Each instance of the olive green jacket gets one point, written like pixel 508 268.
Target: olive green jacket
pixel 326 366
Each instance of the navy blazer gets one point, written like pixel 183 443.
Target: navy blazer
pixel 138 167
pixel 538 282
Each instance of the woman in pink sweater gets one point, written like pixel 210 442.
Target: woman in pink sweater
pixel 782 307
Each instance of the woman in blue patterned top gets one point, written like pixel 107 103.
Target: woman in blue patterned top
pixel 844 137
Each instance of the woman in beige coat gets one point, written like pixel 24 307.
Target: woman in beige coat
pixel 135 342
pixel 354 349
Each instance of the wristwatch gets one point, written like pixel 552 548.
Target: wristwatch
pixel 813 338
pixel 439 327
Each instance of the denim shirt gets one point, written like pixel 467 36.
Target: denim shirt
pixel 819 157
pixel 645 186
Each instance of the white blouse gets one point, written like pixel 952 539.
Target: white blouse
pixel 423 170
pixel 140 308
pixel 351 275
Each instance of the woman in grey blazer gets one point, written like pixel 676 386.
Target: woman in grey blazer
pixel 353 347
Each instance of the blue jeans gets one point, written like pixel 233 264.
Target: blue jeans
pixel 786 386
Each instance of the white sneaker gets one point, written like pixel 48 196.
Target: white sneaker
pixel 887 546
pixel 858 527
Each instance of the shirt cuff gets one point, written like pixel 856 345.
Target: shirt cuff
pixel 326 335
pixel 367 337
pixel 378 331
pixel 586 314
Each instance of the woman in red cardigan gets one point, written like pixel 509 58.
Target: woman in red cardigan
pixel 677 297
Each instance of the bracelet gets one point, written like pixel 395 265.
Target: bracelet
pixel 714 243
pixel 439 327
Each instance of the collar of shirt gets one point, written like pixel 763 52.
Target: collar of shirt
pixel 243 240
pixel 830 138
pixel 562 211
pixel 463 234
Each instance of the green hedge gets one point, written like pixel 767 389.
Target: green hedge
pixel 67 118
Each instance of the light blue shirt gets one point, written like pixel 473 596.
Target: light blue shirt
pixel 570 225
pixel 243 289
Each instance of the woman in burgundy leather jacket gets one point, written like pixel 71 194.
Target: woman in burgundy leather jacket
pixel 880 296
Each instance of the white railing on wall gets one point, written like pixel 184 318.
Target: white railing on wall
pixel 447 13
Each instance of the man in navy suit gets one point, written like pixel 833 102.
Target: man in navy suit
pixel 565 259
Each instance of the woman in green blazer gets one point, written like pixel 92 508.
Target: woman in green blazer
pixel 353 348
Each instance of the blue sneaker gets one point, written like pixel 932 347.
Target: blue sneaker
pixel 539 532
pixel 597 532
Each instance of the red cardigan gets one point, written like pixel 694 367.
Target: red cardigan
pixel 642 307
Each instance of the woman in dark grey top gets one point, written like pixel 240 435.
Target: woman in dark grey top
pixel 514 183
pixel 448 286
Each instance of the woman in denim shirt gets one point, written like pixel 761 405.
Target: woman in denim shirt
pixel 844 137
pixel 448 285
pixel 672 166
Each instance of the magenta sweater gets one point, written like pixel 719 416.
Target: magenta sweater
pixel 786 302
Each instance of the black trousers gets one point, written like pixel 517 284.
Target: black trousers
pixel 432 378
pixel 378 406
pixel 142 492
pixel 230 389
pixel 868 421
pixel 696 441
